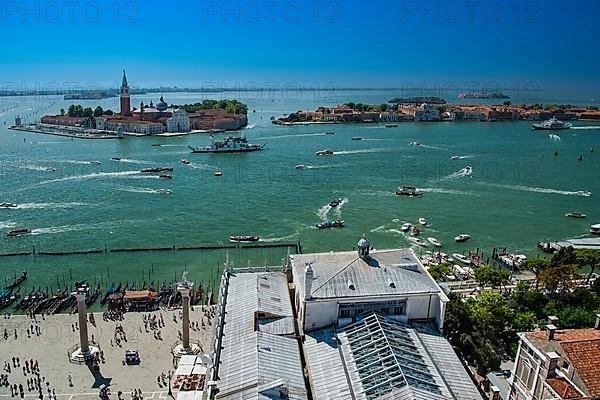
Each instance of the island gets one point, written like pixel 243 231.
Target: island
pixel 148 119
pixel 427 112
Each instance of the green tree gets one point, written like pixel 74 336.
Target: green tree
pixel 108 112
pixel 537 266
pixel 87 112
pixel 507 103
pixel 566 255
pixel 383 107
pixel 440 272
pixel 98 112
pixel 62 111
pixel 493 276
pixel 560 279
pixel 588 258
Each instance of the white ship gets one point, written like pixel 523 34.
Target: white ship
pixel 228 145
pixel 552 124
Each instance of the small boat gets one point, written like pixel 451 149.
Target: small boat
pixel 434 241
pixel 95 162
pixel 335 202
pixel 415 231
pixel 422 221
pixel 462 238
pixel 17 281
pixel 165 177
pixel 18 232
pixel 406 227
pixel 338 223
pixel 556 153
pixel 418 241
pixel 330 133
pixel 228 145
pixel 156 145
pixel 324 153
pixel 415 143
pixel 595 229
pixel 356 138
pixel 409 191
pixel 580 158
pixel 329 224
pixel 156 170
pixel 218 172
pixel 583 193
pixel 391 125
pixel 165 191
pixel 463 259
pixel 8 205
pixel 468 170
pixel 575 214
pixel 243 239
pixel 116 158
pixel 455 158
pixel 184 161
pixel 300 166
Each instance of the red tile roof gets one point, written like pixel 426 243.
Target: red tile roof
pixel 582 348
pixel 564 389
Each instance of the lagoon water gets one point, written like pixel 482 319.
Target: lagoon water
pixel 517 194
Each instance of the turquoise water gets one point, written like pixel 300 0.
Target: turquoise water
pixel 518 192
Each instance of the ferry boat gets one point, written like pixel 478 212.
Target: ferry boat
pixel 409 191
pixel 8 205
pixel 228 145
pixel 552 124
pixel 18 232
pixel 595 229
pixel 462 238
pixel 575 214
pixel 243 239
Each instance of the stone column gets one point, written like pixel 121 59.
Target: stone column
pixel 185 302
pixel 83 332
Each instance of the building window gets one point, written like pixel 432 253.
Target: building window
pixel 345 313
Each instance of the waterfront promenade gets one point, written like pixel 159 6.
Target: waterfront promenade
pixel 50 338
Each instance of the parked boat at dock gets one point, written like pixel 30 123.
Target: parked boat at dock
pixel 417 241
pixel 463 259
pixel 434 241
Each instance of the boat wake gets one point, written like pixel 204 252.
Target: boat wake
pixel 467 171
pixel 75 178
pixel 76 228
pixel 363 151
pixel 132 161
pixel 132 189
pixel 206 167
pixel 279 239
pixel 251 126
pixel 32 167
pixel 7 224
pixel 585 128
pixel 446 191
pixel 338 209
pixel 79 162
pixel 42 206
pixel 580 193
pixel 377 193
pixel 323 211
pixel 461 157
pixel 554 138
pixel 293 136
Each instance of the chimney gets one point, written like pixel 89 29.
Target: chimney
pixel 553 320
pixel 308 280
pixel 597 326
pixel 550 330
pixel 495 393
pixel 553 359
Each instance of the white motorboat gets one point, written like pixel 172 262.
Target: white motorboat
pixel 300 166
pixel 434 241
pixel 595 229
pixel 417 241
pixel 422 221
pixel 406 227
pixel 573 214
pixel 165 191
pixel 463 259
pixel 462 238
pixel 324 153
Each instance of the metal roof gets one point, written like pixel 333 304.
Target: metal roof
pixel 380 358
pixel 255 363
pixel 344 274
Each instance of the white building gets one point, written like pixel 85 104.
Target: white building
pixel 334 289
pixel 179 121
pixel 426 112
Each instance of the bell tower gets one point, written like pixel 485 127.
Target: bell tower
pixel 125 99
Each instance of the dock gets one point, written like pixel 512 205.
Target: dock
pixel 592 243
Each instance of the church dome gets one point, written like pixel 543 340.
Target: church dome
pixel 161 105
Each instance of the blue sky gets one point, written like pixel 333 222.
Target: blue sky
pixel 552 44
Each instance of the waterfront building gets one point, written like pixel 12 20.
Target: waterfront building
pixel 373 331
pixel 179 121
pixel 337 288
pixel 426 112
pixel 125 99
pixel 390 117
pixel 557 364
